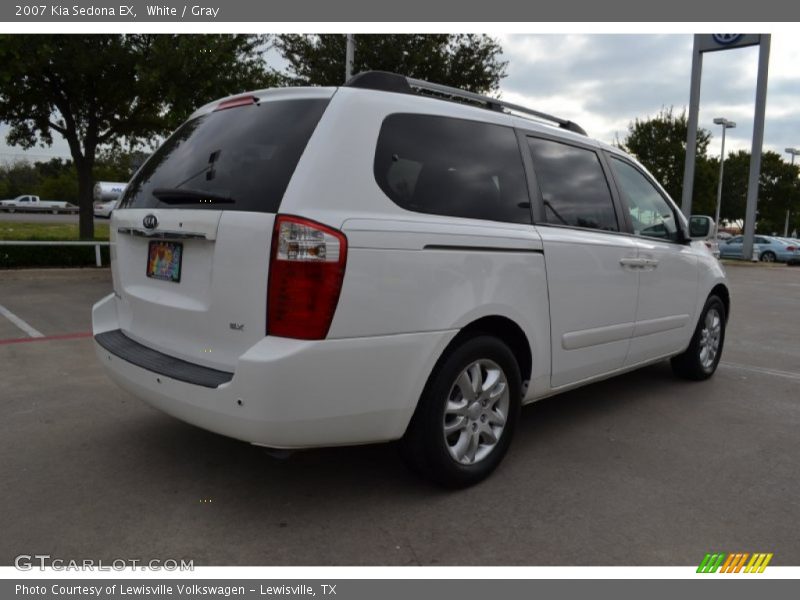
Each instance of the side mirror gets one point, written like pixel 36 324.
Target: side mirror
pixel 700 227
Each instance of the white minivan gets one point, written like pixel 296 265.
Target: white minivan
pixel 394 260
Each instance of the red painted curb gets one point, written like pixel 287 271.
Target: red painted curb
pixel 48 338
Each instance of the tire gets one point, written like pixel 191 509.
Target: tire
pixel 695 363
pixel 768 256
pixel 468 454
pixel 54 211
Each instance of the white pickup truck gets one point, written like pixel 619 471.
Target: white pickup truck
pixel 29 203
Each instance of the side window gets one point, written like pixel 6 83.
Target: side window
pixel 445 166
pixel 25 199
pixel 651 214
pixel 573 186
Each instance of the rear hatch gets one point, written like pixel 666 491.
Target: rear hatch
pixel 191 238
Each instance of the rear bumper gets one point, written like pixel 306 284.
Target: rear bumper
pixel 288 393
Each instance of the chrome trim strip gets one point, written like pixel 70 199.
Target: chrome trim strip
pixel 163 235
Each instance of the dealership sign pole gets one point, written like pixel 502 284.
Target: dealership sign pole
pixel 712 43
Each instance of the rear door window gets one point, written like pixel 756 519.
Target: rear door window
pixel 573 185
pixel 234 159
pixel 454 167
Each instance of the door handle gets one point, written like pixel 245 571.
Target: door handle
pixel 649 263
pixel 632 263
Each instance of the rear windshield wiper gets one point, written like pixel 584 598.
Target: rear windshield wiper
pixel 188 196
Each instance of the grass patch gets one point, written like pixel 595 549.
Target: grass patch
pixel 14 230
pixel 16 257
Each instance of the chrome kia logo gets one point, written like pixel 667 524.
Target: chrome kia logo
pixel 150 222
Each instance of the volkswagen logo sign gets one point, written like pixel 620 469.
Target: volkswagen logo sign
pixel 150 222
pixel 726 38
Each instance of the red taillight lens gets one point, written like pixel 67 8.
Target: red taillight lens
pixel 791 248
pixel 305 277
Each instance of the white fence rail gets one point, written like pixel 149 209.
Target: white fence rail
pixel 97 245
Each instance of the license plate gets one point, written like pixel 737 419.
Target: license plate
pixel 164 260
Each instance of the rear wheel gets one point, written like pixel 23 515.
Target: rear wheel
pixel 768 256
pixel 703 354
pixel 467 414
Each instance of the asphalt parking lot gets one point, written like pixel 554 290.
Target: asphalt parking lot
pixel 642 469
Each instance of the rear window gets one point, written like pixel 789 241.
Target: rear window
pixel 234 159
pixel 453 167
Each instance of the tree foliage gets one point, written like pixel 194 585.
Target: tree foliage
pixel 778 190
pixel 467 61
pixel 116 90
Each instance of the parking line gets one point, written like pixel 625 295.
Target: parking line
pixel 48 338
pixel 762 370
pixel 27 328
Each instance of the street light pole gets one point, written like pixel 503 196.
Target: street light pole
pixel 348 57
pixel 794 152
pixel 725 126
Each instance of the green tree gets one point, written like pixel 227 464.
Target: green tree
pixel 467 61
pixel 114 90
pixel 659 143
pixel 778 190
pixel 18 178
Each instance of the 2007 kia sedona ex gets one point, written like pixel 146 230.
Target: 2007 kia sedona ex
pixel 395 260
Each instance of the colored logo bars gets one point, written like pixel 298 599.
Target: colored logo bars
pixel 734 562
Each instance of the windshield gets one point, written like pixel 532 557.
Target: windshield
pixel 234 159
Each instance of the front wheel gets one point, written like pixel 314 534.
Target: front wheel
pixel 701 358
pixel 466 415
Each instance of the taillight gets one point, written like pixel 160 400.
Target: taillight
pixel 305 277
pixel 791 248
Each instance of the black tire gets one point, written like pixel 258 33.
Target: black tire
pixel 424 446
pixel 690 364
pixel 768 256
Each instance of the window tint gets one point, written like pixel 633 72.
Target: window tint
pixel 452 167
pixel 573 186
pixel 245 156
pixel 651 214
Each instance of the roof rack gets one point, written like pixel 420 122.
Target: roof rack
pixel 394 82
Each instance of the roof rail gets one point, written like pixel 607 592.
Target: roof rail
pixel 394 82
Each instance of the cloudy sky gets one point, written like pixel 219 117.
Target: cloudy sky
pixel 604 81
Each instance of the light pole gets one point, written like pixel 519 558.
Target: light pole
pixel 794 152
pixel 348 57
pixel 725 126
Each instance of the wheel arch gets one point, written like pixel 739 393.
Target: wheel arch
pixel 721 290
pixel 506 330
